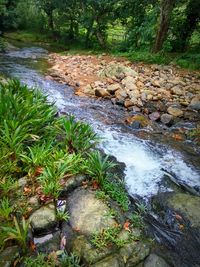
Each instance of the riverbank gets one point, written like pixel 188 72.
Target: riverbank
pixel 151 94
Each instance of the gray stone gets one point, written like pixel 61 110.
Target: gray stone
pixel 134 252
pixel 155 116
pixel 87 213
pixel 48 244
pixel 8 256
pixel 84 249
pixel 43 219
pixel 195 103
pixel 187 205
pixel 72 183
pixel 129 83
pixel 154 260
pixel 22 182
pixel 176 112
pixel 111 261
pixel 121 94
pixel 167 119
pixel 116 70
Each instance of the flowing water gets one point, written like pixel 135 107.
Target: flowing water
pixel 145 159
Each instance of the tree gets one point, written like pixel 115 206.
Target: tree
pixel 165 13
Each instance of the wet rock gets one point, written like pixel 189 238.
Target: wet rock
pixel 167 119
pixel 176 112
pixel 195 103
pixel 50 244
pixel 69 234
pixel 134 252
pixel 84 249
pixel 101 92
pixel 112 260
pixel 187 205
pixel 155 116
pixel 43 219
pixel 140 118
pixel 87 213
pixel 8 256
pixel 72 183
pixel 154 260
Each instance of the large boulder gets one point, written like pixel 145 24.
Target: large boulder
pixel 43 219
pixel 187 205
pixel 112 260
pixel 87 213
pixel 154 260
pixel 116 71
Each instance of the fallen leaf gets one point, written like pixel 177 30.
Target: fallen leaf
pixel 85 184
pixel 32 246
pixel 95 185
pixel 178 217
pixel 181 226
pixel 126 226
pixel 63 242
pixel 27 190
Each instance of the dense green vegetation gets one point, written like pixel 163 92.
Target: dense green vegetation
pixel 137 28
pixel 44 150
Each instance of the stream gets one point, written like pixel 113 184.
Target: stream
pixel 153 162
pixel 146 159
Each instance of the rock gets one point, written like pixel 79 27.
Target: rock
pixel 49 244
pixel 72 183
pixel 149 97
pixel 155 116
pixel 87 213
pixel 111 261
pixel 134 94
pixel 88 90
pixel 140 118
pixel 84 249
pixel 101 92
pixel 69 234
pixel 154 260
pixel 177 90
pixel 8 256
pixel 22 182
pixel 195 103
pixel 187 205
pixel 113 87
pixel 34 201
pixel 116 70
pixel 167 119
pixel 129 83
pixel 43 219
pixel 134 252
pixel 176 112
pixel 155 83
pixel 121 94
pixel 139 84
pixel 130 102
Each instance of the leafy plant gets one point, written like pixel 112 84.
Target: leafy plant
pixel 7 183
pixel 62 215
pixel 5 208
pixel 78 136
pixel 37 157
pixel 98 166
pixel 18 233
pixel 137 220
pixel 69 260
pixel 115 189
pixel 40 260
pixel 106 237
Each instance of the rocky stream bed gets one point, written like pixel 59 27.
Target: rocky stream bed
pixel 145 114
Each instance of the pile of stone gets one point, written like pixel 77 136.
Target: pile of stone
pixel 162 93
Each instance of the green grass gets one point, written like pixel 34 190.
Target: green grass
pixel 189 60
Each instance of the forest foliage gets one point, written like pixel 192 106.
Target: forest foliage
pixel 126 25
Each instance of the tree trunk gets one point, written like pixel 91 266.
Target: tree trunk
pixel 166 9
